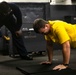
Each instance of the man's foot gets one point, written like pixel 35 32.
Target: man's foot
pixel 28 57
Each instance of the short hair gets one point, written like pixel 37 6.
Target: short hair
pixel 4 8
pixel 39 23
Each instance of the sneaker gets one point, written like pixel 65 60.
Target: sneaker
pixel 28 57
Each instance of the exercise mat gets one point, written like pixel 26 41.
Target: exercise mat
pixel 44 70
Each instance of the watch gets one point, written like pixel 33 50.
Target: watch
pixel 66 64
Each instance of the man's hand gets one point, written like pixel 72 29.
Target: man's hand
pixel 46 63
pixel 60 67
pixel 18 33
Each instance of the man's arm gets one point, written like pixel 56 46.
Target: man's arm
pixel 49 45
pixel 66 56
pixel 50 50
pixel 66 52
pixel 17 15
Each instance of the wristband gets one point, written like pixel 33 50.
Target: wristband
pixel 66 64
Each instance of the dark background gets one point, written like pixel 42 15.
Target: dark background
pixel 31 11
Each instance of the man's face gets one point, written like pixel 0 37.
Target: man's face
pixel 45 30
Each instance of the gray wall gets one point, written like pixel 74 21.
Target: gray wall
pixel 60 11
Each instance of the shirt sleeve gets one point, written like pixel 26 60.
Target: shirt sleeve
pixel 61 34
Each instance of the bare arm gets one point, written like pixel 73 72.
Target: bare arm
pixel 50 50
pixel 66 56
pixel 66 52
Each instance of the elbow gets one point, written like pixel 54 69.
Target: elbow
pixel 66 45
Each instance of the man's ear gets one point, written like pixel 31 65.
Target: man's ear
pixel 46 26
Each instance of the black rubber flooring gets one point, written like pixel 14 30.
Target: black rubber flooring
pixel 44 70
pixel 16 66
pixel 47 69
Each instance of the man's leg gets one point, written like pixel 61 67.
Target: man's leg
pixel 18 41
pixel 19 44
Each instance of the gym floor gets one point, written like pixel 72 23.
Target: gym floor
pixel 8 64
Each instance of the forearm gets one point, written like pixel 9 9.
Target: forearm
pixel 66 53
pixel 50 50
pixel 50 53
pixel 66 56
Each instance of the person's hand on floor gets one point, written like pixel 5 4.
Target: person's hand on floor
pixel 46 63
pixel 60 67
